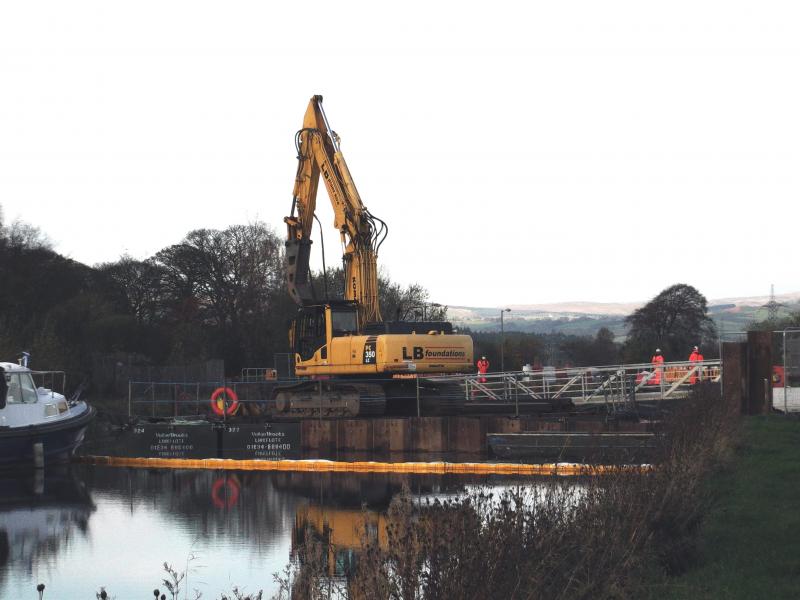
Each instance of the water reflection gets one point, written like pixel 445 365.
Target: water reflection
pixel 341 533
pixel 40 513
pixel 79 529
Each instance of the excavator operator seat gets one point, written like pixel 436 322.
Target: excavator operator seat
pixel 309 331
pixel 344 320
pixel 310 326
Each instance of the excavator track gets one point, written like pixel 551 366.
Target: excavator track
pixel 329 399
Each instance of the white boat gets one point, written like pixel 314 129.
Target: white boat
pixel 37 425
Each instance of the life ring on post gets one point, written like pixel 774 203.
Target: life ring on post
pixel 224 401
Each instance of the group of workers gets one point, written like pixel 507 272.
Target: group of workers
pixel 658 360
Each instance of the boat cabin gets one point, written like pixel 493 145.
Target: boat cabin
pixel 17 387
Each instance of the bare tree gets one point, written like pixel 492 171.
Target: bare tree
pixel 26 236
pixel 227 282
pixel 137 286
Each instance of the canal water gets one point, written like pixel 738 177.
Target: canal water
pixel 78 528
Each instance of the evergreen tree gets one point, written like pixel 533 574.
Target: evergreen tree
pixel 674 321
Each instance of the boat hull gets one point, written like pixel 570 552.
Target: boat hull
pixel 59 440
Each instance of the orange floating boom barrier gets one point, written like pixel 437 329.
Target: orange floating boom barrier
pixel 326 466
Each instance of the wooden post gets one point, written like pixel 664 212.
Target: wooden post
pixel 734 372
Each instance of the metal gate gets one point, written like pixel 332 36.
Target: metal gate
pixel 786 371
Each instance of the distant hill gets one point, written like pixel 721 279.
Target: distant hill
pixel 586 318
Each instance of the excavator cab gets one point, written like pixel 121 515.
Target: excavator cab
pixel 315 325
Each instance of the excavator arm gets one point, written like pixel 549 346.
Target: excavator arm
pixel 362 233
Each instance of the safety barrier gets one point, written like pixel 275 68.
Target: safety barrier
pixel 259 374
pixel 438 468
pixel 617 386
pixel 181 399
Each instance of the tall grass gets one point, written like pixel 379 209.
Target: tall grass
pixel 602 537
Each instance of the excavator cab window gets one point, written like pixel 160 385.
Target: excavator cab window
pixel 309 332
pixel 344 321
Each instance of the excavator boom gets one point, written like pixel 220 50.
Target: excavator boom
pixel 318 153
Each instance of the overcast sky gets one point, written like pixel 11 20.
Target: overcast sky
pixel 520 152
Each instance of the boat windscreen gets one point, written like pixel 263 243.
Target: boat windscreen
pixel 21 388
pixel 3 387
pixel 29 395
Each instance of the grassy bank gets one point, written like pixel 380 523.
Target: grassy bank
pixel 750 544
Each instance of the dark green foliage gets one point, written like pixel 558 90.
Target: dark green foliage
pixel 43 297
pixel 217 294
pixel 224 284
pixel 674 321
pixel 600 350
pixel 397 303
pixel 554 349
pixel 790 321
pixel 221 294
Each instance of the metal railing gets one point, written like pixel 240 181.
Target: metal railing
pixel 153 399
pixel 786 375
pixel 55 381
pixel 615 386
pixel 259 374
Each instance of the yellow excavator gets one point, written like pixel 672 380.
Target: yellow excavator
pixel 352 361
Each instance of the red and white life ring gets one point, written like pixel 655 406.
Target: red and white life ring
pixel 224 397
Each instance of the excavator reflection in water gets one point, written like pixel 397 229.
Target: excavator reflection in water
pixel 341 534
pixel 342 515
pixel 360 362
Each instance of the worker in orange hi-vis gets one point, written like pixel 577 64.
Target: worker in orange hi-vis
pixel 657 361
pixel 695 356
pixel 483 368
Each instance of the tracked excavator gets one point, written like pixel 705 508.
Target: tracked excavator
pixel 349 360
